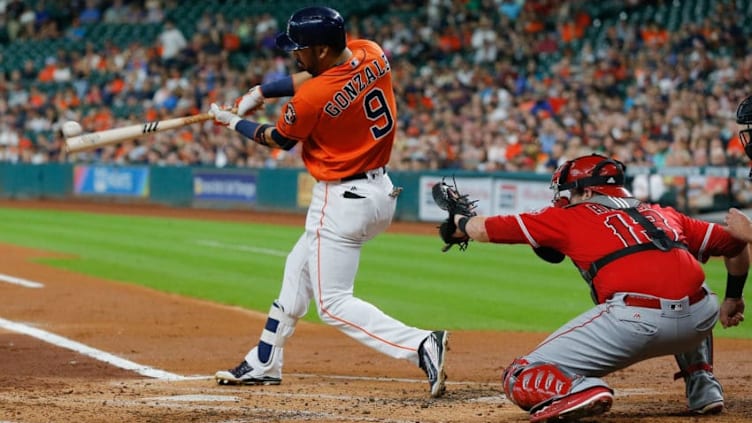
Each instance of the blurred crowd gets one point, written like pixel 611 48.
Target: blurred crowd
pixel 488 85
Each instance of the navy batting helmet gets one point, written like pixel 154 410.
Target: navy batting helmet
pixel 312 26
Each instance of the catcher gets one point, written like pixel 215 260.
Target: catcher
pixel 643 265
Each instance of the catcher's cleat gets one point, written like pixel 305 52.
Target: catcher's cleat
pixel 714 407
pixel 243 375
pixel 588 403
pixel 431 355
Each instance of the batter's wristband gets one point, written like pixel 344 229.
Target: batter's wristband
pixel 462 224
pixel 283 87
pixel 735 285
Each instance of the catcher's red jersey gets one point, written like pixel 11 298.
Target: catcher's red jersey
pixel 345 117
pixel 585 232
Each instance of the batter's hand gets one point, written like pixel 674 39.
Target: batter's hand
pixel 732 312
pixel 250 101
pixel 223 116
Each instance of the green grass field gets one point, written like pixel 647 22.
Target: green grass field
pixel 496 287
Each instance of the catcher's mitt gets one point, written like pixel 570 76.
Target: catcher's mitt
pixel 448 198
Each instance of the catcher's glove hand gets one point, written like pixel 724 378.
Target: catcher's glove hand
pixel 448 198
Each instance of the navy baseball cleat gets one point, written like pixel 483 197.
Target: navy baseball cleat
pixel 431 355
pixel 588 403
pixel 243 375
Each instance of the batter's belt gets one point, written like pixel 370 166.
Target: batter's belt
pixel 364 175
pixel 634 300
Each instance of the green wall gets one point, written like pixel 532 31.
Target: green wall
pixel 276 189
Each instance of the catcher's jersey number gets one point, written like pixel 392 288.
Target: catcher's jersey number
pixel 632 233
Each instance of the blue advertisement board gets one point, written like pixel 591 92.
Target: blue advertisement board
pixel 127 181
pixel 224 186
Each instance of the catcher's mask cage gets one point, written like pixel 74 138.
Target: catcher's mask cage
pixel 599 173
pixel 744 117
pixel 310 26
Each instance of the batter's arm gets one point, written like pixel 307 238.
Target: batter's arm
pixel 264 134
pixel 285 86
pixel 282 87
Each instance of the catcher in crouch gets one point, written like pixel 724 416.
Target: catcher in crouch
pixel 643 265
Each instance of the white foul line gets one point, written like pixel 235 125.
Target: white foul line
pixel 267 251
pixel 94 353
pixel 19 281
pixel 167 376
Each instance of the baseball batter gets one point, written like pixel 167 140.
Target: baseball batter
pixel 643 265
pixel 343 115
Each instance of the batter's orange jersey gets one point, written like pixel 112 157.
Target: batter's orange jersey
pixel 345 117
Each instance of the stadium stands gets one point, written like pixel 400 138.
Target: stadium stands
pixel 646 81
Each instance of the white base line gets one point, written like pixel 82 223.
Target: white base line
pixel 19 281
pixel 167 376
pixel 94 353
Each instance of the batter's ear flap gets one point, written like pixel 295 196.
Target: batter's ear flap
pixel 549 254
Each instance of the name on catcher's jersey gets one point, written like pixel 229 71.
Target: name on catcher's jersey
pixel 344 118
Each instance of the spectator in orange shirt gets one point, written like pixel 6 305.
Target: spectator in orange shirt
pixel 652 35
pixel 47 74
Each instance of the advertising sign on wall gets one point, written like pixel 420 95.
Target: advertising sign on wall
pixel 129 181
pixel 476 188
pixel 495 196
pixel 512 196
pixel 305 189
pixel 224 186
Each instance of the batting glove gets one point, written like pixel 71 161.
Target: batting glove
pixel 224 117
pixel 250 101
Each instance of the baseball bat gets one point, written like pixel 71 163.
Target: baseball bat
pixel 99 139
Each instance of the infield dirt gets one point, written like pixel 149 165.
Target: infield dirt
pixel 328 377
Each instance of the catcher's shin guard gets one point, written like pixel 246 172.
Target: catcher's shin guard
pixel 704 392
pixel 527 384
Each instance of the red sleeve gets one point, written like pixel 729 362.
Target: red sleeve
pixel 544 227
pixel 706 239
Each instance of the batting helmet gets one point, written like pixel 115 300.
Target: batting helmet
pixel 744 117
pixel 599 173
pixel 311 26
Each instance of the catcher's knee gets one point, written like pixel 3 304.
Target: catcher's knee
pixel 527 384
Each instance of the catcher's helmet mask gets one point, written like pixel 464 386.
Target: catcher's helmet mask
pixel 599 173
pixel 744 117
pixel 311 26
